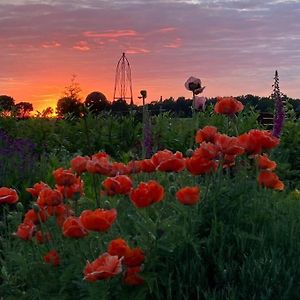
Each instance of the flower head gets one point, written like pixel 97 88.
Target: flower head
pixel 104 267
pixel 194 84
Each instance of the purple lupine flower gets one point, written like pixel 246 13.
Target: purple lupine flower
pixel 279 113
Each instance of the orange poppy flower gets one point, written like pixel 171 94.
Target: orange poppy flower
pixel 206 134
pixel 134 257
pixel 49 197
pixel 35 217
pixel 164 155
pixel 99 219
pixel 100 155
pixel 207 151
pixel 36 189
pixel 172 165
pixel 120 184
pixel 72 191
pixel 25 231
pixel 265 163
pixel 270 180
pixel 134 166
pixel 229 145
pixel 79 163
pixel 256 141
pixel 73 228
pixel 64 177
pixel 188 195
pixel 118 247
pixel 198 165
pixel 8 195
pixel 42 237
pixel 228 106
pixel 147 166
pixel 147 193
pixel 132 277
pixel 106 266
pixel 118 168
pixel 98 166
pixel 52 258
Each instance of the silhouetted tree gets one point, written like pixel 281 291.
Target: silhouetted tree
pixel 96 102
pixel 73 90
pixel 7 104
pixel 47 112
pixel 71 102
pixel 120 106
pixel 67 105
pixel 23 109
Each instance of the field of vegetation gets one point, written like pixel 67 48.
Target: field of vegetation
pixel 109 207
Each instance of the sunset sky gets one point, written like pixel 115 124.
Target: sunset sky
pixel 234 46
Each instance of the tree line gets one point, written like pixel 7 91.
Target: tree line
pixel 97 103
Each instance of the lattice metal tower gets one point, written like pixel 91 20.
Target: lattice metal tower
pixel 123 83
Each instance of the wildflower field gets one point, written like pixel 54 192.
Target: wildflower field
pixel 203 208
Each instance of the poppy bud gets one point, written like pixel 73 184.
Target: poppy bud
pixel 9 217
pixel 35 208
pixel 189 152
pixel 20 206
pixel 172 190
pixel 172 177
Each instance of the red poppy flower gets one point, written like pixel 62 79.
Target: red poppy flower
pixel 265 163
pixel 228 161
pixel 168 161
pixel 8 195
pixel 52 258
pixel 270 180
pixel 35 217
pixel 25 231
pixel 98 165
pixel 228 106
pixel 132 276
pixel 100 155
pixel 64 177
pixel 198 165
pixel 106 266
pixel 36 189
pixel 49 197
pixel 206 134
pixel 118 247
pixel 147 193
pixel 172 165
pixel 134 166
pixel 42 237
pixel 256 141
pixel 120 184
pixel 71 191
pixel 229 145
pixel 99 219
pixel 134 257
pixel 207 151
pixel 73 228
pixel 147 166
pixel 78 164
pixel 188 195
pixel 118 168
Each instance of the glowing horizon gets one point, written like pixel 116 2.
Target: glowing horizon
pixel 233 46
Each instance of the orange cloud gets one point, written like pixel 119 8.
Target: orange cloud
pixel 137 51
pixel 53 44
pixel 111 34
pixel 175 44
pixel 82 46
pixel 167 29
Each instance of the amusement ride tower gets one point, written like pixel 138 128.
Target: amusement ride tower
pixel 123 83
